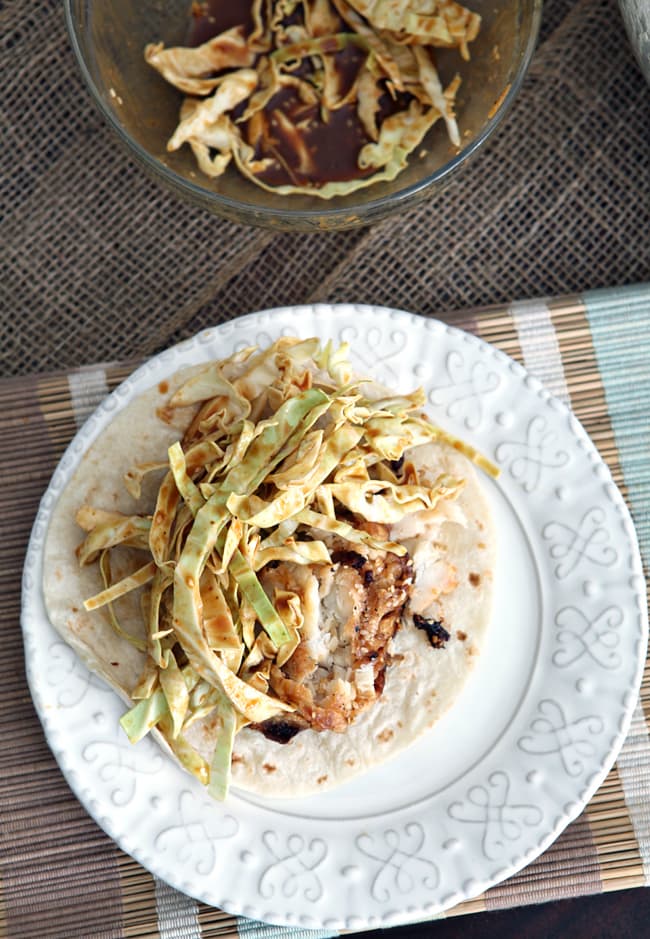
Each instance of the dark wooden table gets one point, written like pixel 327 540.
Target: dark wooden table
pixel 622 914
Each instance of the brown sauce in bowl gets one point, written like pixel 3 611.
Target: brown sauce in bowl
pixel 306 146
pixel 319 100
pixel 211 17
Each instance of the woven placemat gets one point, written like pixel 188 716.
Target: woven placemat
pixel 60 876
pixel 98 263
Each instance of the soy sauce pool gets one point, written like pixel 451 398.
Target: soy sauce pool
pixel 305 145
pixel 211 17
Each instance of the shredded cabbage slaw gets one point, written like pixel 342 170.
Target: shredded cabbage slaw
pixel 258 97
pixel 285 447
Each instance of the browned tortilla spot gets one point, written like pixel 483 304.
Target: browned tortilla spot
pixel 269 767
pixel 385 735
pixel 474 579
pixel 165 414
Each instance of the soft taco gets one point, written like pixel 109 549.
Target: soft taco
pixel 286 571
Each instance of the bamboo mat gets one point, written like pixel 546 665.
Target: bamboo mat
pixel 61 876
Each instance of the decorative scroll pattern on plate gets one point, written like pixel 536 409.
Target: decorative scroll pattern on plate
pixel 294 867
pixel 589 542
pixel 597 638
pixel 376 351
pixel 69 675
pixel 121 765
pixel 527 459
pixel 463 396
pixel 403 864
pixel 573 741
pixel 196 839
pixel 502 821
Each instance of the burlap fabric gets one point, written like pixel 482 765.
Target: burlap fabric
pixel 98 263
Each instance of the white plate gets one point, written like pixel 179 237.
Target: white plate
pixel 530 739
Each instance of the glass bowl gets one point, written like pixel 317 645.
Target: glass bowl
pixel 109 36
pixel 636 17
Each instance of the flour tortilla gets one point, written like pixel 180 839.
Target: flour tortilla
pixel 422 682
